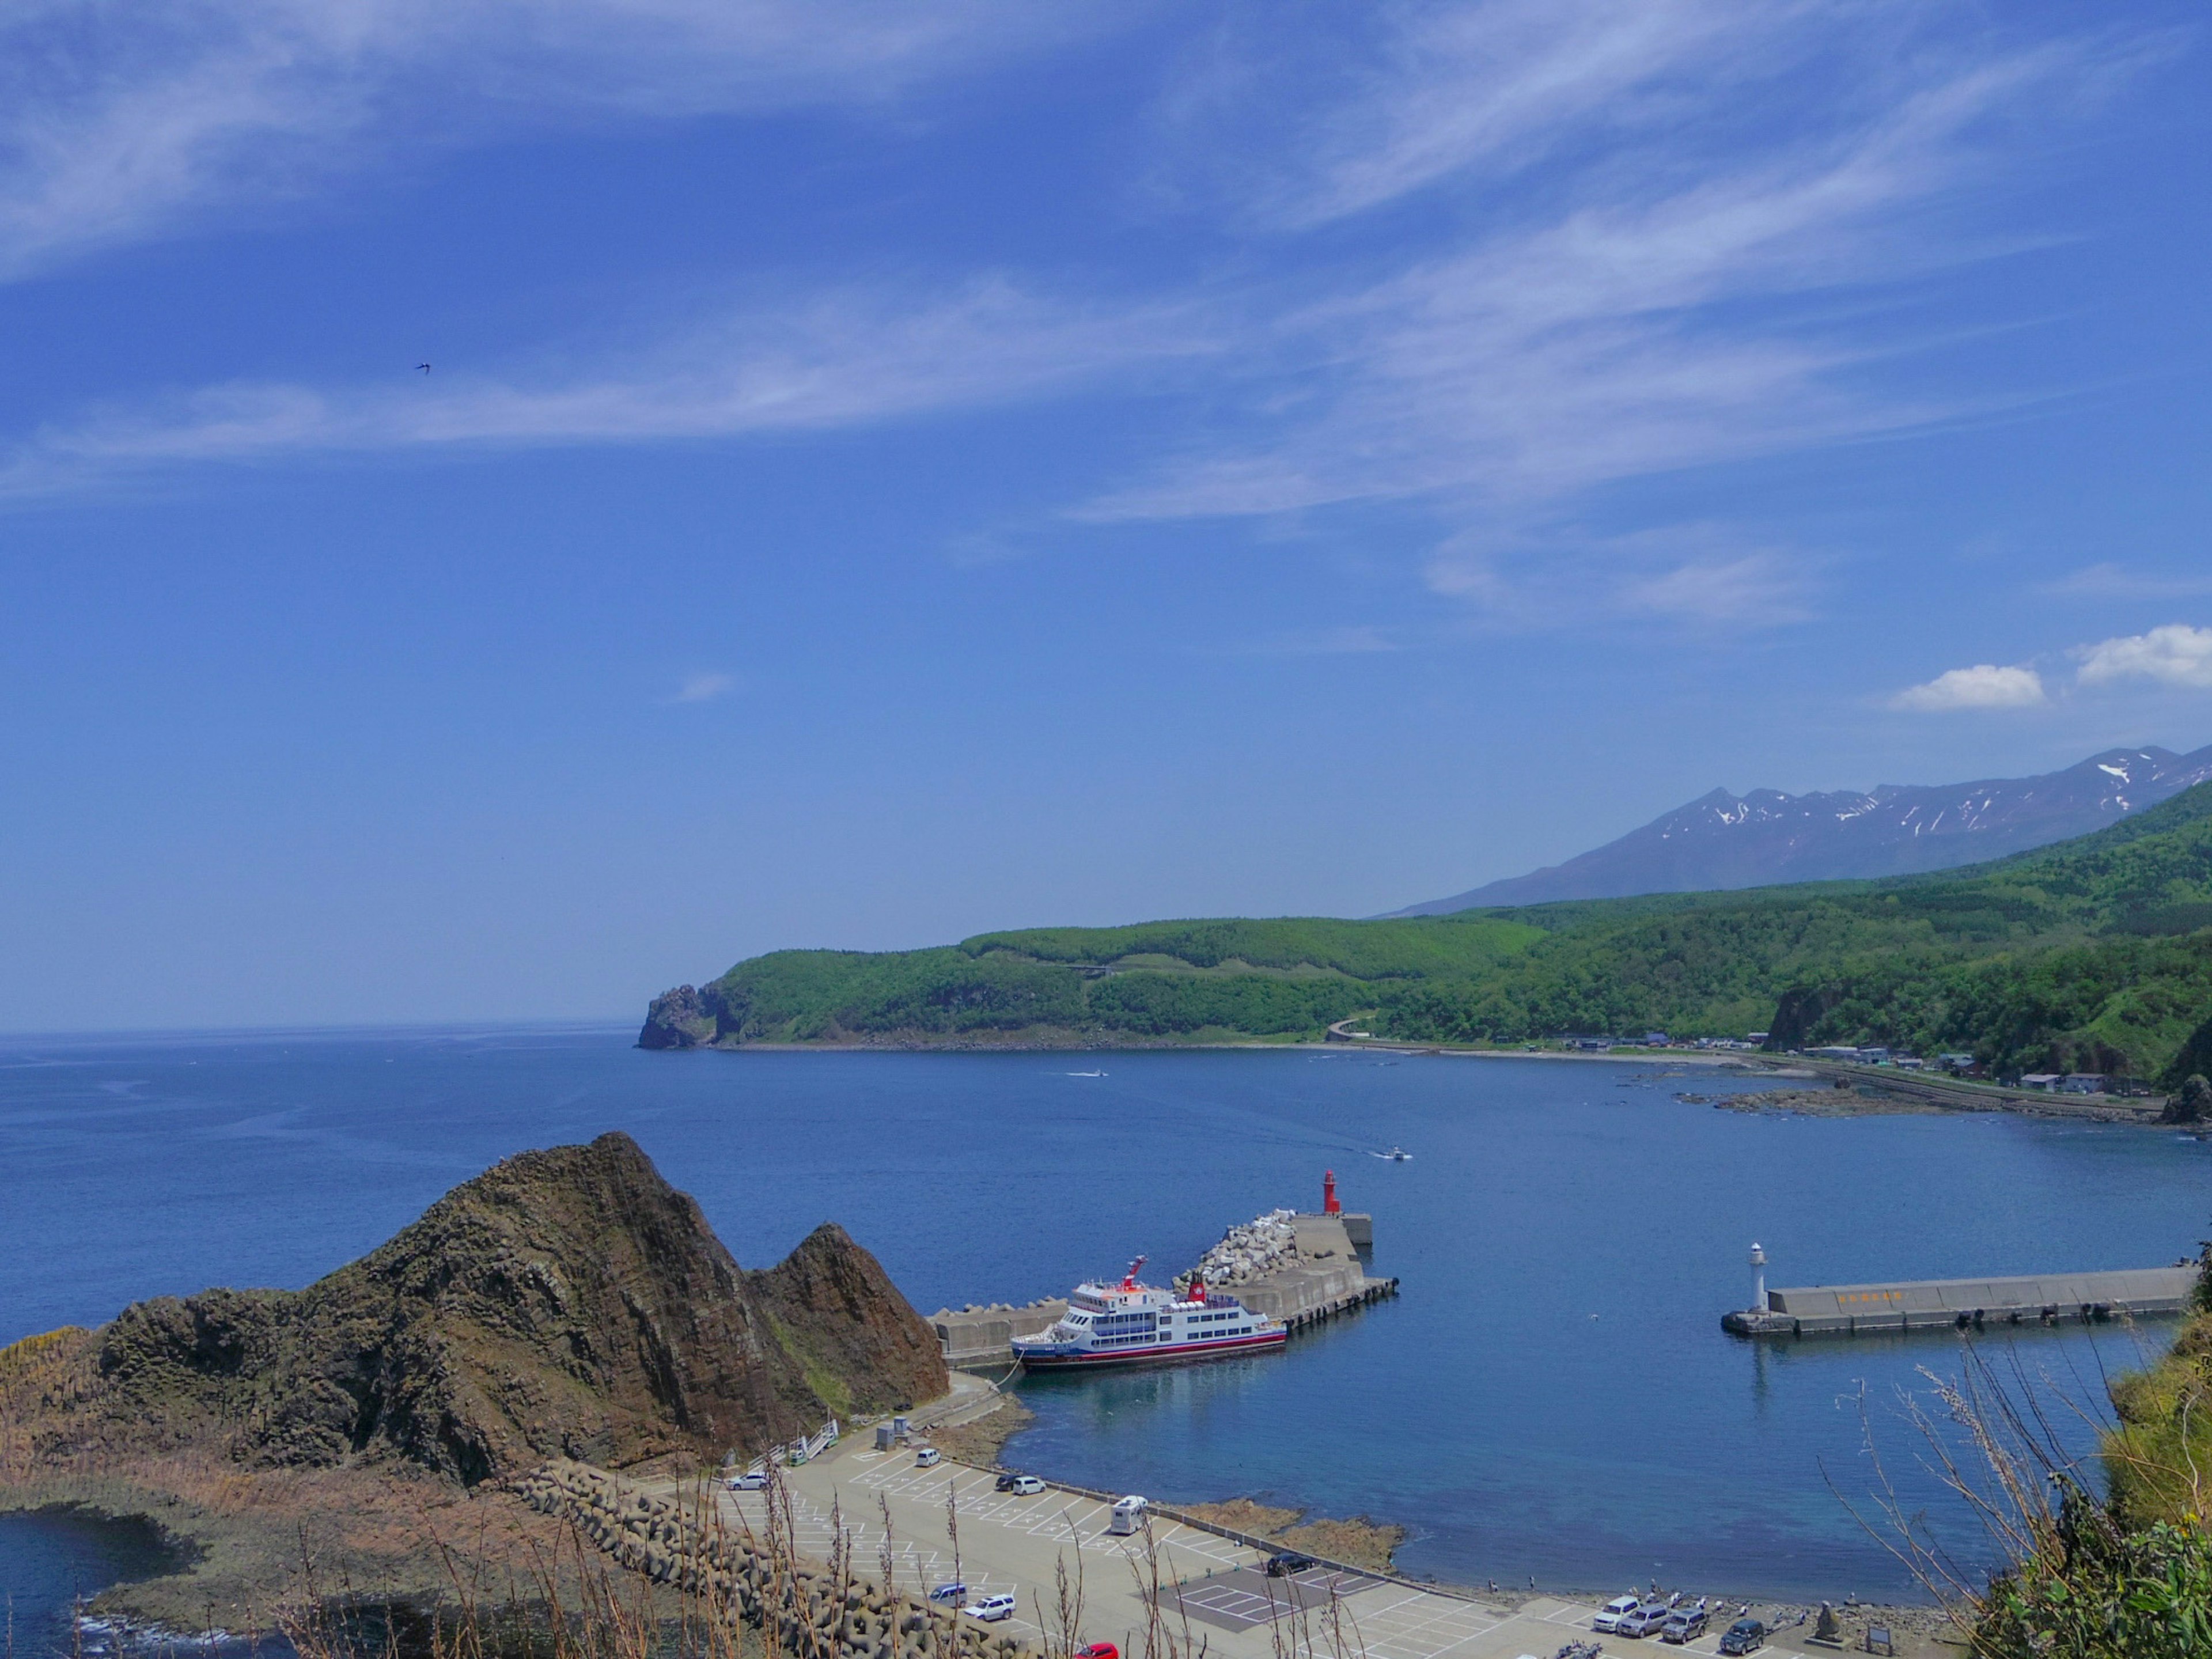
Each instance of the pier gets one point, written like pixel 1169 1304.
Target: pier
pixel 1314 1274
pixel 1968 1304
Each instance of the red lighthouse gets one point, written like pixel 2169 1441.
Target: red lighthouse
pixel 1328 1204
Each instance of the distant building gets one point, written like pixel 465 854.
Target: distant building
pixel 2046 1081
pixel 1654 1039
pixel 1755 1037
pixel 2082 1083
pixel 1593 1044
pixel 1834 1051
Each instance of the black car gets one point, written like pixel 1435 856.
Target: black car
pixel 1005 1480
pixel 1745 1636
pixel 1288 1564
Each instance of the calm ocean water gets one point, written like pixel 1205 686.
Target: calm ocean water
pixel 1551 1395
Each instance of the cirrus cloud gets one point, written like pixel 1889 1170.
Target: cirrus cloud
pixel 119 123
pixel 1985 685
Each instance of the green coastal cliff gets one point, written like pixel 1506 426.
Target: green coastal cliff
pixel 2091 955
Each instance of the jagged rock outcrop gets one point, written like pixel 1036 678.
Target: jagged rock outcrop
pixel 681 1018
pixel 565 1303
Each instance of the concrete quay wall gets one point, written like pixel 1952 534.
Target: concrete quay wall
pixel 984 1336
pixel 1967 1304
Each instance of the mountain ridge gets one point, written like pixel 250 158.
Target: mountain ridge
pixel 1724 843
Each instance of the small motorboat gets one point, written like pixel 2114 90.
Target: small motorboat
pixel 1397 1155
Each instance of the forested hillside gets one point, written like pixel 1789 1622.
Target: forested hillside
pixel 2094 955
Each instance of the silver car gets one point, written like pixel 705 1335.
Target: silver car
pixel 1610 1615
pixel 1648 1620
pixel 1683 1625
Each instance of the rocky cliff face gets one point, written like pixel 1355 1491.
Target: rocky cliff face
pixel 566 1302
pixel 681 1018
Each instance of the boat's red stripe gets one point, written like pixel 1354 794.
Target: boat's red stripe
pixel 1116 1356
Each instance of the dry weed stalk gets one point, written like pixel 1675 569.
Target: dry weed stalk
pixel 1992 1442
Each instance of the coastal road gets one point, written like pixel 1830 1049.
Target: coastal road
pixel 1010 1544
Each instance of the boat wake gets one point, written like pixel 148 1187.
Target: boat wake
pixel 1082 1075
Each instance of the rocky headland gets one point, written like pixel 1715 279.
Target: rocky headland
pixel 568 1303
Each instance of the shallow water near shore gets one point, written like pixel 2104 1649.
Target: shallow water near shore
pixel 1551 1395
pixel 50 1557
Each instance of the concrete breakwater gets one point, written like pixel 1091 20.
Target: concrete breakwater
pixel 1968 1304
pixel 809 1609
pixel 1300 1269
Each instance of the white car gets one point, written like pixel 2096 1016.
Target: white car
pixel 1610 1615
pixel 925 1458
pixel 990 1609
pixel 1026 1485
pixel 750 1480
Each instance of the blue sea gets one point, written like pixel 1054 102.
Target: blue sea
pixel 1550 1398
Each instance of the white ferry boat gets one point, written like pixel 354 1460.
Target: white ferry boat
pixel 1133 1324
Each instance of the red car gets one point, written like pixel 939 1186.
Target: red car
pixel 1099 1651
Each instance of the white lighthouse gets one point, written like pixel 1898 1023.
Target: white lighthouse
pixel 1757 1280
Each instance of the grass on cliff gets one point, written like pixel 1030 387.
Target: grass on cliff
pixel 2091 955
pixel 2125 1573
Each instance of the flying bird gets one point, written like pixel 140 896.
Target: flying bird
pixel 425 367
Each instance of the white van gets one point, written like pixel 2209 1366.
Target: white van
pixel 1128 1516
pixel 990 1609
pixel 925 1458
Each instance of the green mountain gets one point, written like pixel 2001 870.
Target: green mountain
pixel 2091 955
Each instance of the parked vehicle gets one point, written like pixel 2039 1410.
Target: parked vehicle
pixel 1005 1480
pixel 1610 1615
pixel 750 1480
pixel 1099 1651
pixel 1684 1624
pixel 1288 1564
pixel 1026 1485
pixel 1648 1620
pixel 1128 1517
pixel 948 1592
pixel 1580 1650
pixel 926 1458
pixel 991 1608
pixel 1745 1636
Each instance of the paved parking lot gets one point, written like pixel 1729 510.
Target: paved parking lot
pixel 1243 1598
pixel 1010 1544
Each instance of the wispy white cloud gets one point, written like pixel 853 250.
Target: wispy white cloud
pixel 1697 575
pixel 1654 292
pixel 1643 323
pixel 2175 655
pixel 121 123
pixel 704 687
pixel 1757 588
pixel 1503 86
pixel 2109 580
pixel 1985 685
pixel 837 361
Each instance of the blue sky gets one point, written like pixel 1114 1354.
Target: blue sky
pixel 889 472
